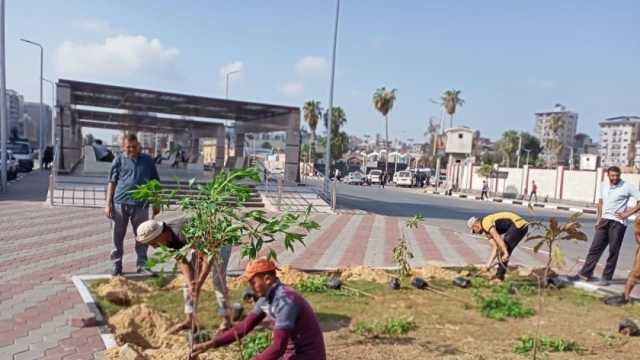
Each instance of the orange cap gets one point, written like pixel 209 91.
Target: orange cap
pixel 258 266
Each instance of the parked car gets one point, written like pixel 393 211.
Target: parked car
pixel 12 166
pixel 403 178
pixel 374 176
pixel 354 178
pixel 23 153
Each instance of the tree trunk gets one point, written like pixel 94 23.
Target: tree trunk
pixel 386 144
pixel 312 150
pixel 450 120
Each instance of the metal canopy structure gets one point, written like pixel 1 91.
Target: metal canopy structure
pixel 146 106
pixel 83 104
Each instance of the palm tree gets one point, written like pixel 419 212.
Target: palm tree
pixel 432 131
pixel 508 144
pixel 312 113
pixel 383 100
pixel 450 100
pixel 553 144
pixel 339 139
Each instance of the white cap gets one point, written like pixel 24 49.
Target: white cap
pixel 472 220
pixel 149 230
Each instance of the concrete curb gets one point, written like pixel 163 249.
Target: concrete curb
pixel 519 202
pixel 103 328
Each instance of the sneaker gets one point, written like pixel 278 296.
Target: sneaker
pixel 603 282
pixel 578 277
pixel 143 271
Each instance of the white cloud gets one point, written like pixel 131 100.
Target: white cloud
pixel 311 65
pixel 119 55
pixel 95 25
pixel 292 88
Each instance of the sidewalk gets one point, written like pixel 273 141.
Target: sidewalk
pixel 41 247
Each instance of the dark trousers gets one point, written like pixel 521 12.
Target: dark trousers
pixel 608 233
pixel 511 238
pixel 124 214
pixel 483 195
pixel 533 193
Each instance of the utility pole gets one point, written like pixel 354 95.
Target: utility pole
pixel 327 162
pixel 40 132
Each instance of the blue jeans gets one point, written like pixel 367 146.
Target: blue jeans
pixel 122 215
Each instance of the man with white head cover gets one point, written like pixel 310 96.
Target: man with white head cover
pixel 157 233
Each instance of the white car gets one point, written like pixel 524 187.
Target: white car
pixel 23 153
pixel 355 178
pixel 374 176
pixel 403 178
pixel 12 166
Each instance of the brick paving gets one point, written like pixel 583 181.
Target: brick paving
pixel 41 247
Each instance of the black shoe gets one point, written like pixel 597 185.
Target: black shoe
pixel 603 282
pixel 116 270
pixel 578 277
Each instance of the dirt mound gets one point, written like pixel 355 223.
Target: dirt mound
pixel 144 327
pixel 364 273
pixel 435 272
pixel 121 291
pixel 291 276
pixel 178 283
pixel 165 354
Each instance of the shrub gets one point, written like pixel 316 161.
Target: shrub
pixel 313 284
pixel 255 344
pixel 502 304
pixel 526 344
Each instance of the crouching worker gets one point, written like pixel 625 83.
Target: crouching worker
pixel 634 275
pixel 504 230
pixel 158 233
pixel 296 333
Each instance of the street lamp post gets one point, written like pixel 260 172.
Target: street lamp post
pixel 327 165
pixel 3 105
pixel 528 152
pixel 519 150
pixel 53 106
pixel 40 133
pixel 226 86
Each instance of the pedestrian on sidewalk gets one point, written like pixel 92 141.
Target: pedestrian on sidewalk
pixel 534 190
pixel 504 230
pixel 195 268
pixel 128 170
pixel 611 215
pixel 296 330
pixel 634 275
pixel 485 190
pixel 383 179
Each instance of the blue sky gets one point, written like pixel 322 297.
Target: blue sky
pixel 509 58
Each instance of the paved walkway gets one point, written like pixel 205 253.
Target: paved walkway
pixel 41 247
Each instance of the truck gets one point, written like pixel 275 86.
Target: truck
pixel 23 153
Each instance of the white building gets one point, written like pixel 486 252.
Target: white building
pixel 618 137
pixel 31 123
pixel 15 113
pixel 566 135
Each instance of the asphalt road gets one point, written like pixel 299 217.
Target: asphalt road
pixel 453 213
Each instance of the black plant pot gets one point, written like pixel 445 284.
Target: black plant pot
pixel 394 283
pixel 334 283
pixel 419 283
pixel 461 282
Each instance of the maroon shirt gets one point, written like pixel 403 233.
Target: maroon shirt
pixel 296 334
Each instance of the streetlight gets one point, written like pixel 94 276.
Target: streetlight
pixel 40 134
pixel 53 106
pixel 3 105
pixel 226 88
pixel 327 163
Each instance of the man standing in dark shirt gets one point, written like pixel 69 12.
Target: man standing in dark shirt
pixel 504 230
pixel 296 334
pixel 128 170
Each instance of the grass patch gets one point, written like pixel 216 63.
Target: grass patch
pixel 577 297
pixel 390 327
pixel 501 303
pixel 545 344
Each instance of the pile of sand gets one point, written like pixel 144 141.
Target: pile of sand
pixel 435 272
pixel 142 331
pixel 121 291
pixel 178 283
pixel 364 273
pixel 291 276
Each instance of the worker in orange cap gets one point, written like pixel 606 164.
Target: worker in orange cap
pixel 296 333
